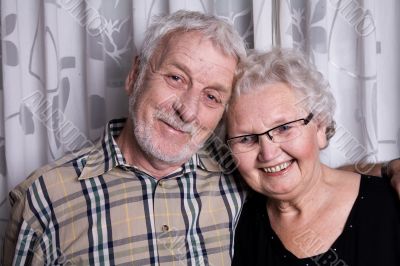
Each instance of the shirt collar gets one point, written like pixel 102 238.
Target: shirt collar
pixel 106 155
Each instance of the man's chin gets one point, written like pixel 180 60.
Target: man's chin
pixel 167 151
pixel 175 155
pixel 169 158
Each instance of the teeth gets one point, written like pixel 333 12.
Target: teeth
pixel 277 168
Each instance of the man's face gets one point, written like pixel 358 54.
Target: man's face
pixel 182 97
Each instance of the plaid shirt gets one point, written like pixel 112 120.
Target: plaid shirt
pixel 95 209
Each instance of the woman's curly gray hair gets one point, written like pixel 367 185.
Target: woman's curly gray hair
pixel 290 67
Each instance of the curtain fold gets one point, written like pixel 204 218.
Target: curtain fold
pixel 64 64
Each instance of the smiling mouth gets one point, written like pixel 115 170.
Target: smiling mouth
pixel 277 168
pixel 173 127
pixel 170 121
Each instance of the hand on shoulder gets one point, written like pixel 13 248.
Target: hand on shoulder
pixel 392 170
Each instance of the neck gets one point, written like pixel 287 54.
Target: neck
pixel 135 156
pixel 310 199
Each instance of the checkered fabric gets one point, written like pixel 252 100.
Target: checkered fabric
pixel 95 209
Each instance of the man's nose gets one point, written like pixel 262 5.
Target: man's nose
pixel 268 149
pixel 187 106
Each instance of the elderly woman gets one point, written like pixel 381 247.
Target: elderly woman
pixel 303 212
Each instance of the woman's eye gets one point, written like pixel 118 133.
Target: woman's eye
pixel 283 128
pixel 248 139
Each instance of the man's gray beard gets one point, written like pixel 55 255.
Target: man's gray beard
pixel 143 134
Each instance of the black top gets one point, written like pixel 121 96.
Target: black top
pixel 371 235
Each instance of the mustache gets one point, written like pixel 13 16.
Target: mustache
pixel 175 122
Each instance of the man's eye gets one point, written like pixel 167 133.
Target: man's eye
pixel 248 140
pixel 175 81
pixel 175 78
pixel 212 98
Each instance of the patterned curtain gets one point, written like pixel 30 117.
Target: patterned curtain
pixel 64 64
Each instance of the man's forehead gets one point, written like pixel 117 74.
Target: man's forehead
pixel 196 64
pixel 191 45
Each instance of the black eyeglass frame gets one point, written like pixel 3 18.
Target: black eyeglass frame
pixel 306 121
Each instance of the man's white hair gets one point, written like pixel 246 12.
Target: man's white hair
pixel 219 31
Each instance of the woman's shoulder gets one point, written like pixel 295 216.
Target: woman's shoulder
pixel 377 222
pixel 376 191
pixel 377 206
pixel 376 186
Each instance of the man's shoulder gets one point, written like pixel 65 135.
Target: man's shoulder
pixel 47 174
pixel 68 166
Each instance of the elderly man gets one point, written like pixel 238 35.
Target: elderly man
pixel 152 191
pixel 145 195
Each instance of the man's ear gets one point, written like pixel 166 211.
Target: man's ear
pixel 132 76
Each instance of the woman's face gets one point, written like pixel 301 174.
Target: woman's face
pixel 278 170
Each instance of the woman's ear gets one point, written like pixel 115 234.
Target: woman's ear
pixel 321 136
pixel 132 76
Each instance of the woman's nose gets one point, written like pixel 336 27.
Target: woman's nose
pixel 268 150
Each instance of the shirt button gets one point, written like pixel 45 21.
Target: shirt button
pixel 165 228
pixel 162 183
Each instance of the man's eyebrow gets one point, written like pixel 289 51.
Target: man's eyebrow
pixel 217 86
pixel 222 88
pixel 227 89
pixel 181 67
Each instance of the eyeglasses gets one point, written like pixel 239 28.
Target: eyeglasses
pixel 278 134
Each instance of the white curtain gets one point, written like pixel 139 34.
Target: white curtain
pixel 64 63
